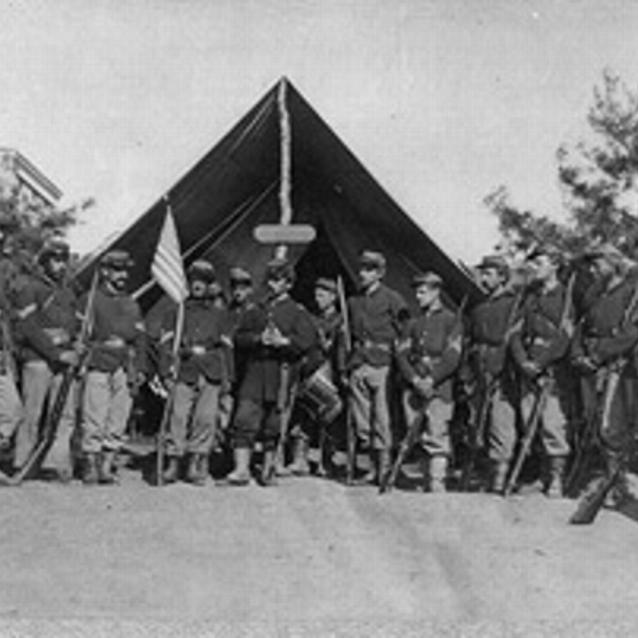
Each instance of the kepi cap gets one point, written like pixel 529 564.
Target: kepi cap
pixel 238 275
pixel 201 270
pixel 429 278
pixel 372 259
pixel 279 268
pixel 325 283
pixel 55 248
pixel 117 259
pixel 494 261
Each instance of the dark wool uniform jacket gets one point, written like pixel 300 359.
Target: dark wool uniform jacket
pixel 206 346
pixel 604 334
pixel 118 338
pixel 432 348
pixel 540 337
pixel 329 346
pixel 376 322
pixel 47 320
pixel 263 363
pixel 489 324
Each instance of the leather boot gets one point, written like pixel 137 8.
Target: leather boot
pixel 268 477
pixel 193 468
pixel 499 476
pixel 371 475
pixel 107 470
pixel 556 468
pixel 201 470
pixel 241 473
pixel 437 473
pixel 383 464
pixel 299 465
pixel 171 471
pixel 90 474
pixel 618 492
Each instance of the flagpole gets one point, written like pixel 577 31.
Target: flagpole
pixel 170 399
pixel 168 271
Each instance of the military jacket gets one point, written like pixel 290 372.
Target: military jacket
pixel 263 363
pixel 432 347
pixel 206 344
pixel 329 347
pixel 608 328
pixel 47 319
pixel 489 324
pixel 118 337
pixel 376 321
pixel 539 337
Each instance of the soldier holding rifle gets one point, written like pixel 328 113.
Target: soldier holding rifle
pixel 492 324
pixel 116 363
pixel 428 357
pixel 376 315
pixel 540 347
pixel 47 322
pixel 606 343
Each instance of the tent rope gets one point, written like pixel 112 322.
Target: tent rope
pixel 285 142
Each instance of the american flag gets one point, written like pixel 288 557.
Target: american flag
pixel 167 267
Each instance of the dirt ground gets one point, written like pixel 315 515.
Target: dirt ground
pixel 309 557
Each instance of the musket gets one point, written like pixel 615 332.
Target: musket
pixel 53 417
pixel 477 440
pixel 530 432
pixel 351 441
pixel 387 482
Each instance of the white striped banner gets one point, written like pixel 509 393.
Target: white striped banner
pixel 167 267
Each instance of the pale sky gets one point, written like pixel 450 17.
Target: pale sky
pixel 441 100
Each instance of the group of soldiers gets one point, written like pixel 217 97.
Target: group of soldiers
pixel 533 366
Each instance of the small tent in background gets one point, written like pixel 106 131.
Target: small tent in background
pixel 235 187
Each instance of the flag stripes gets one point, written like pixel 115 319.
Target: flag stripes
pixel 167 267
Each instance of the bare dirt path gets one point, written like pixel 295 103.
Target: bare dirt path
pixel 310 554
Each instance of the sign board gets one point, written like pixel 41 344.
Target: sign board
pixel 284 233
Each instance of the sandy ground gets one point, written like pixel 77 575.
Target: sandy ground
pixel 310 557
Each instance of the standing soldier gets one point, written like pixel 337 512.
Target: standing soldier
pixel 541 347
pixel 204 353
pixel 46 310
pixel 324 366
pixel 605 343
pixel 376 314
pixel 272 336
pixel 11 410
pixel 428 357
pixel 492 322
pixel 116 364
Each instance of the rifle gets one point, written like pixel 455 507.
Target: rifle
pixel 387 482
pixel 351 441
pixel 53 417
pixel 591 502
pixel 488 397
pixel 530 433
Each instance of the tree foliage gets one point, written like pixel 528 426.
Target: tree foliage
pixel 599 178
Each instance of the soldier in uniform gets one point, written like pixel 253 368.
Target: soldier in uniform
pixel 272 336
pixel 11 409
pixel 46 310
pixel 324 366
pixel 428 356
pixel 492 322
pixel 605 344
pixel 540 346
pixel 376 315
pixel 116 364
pixel 204 353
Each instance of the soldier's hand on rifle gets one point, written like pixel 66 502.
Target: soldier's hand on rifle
pixel 69 357
pixel 585 365
pixel 530 369
pixel 140 378
pixel 424 386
